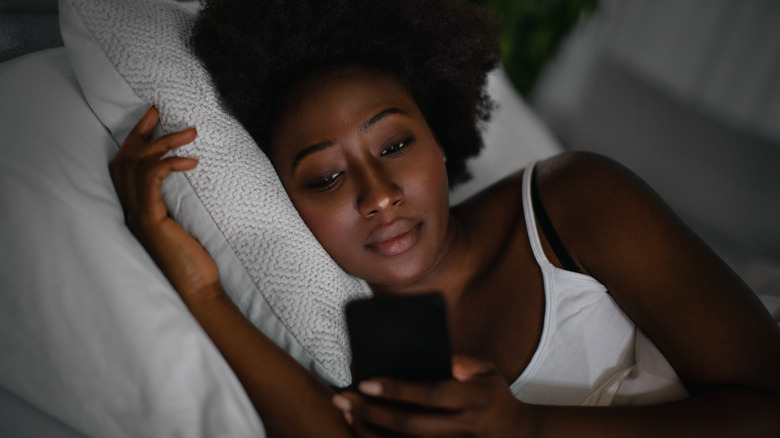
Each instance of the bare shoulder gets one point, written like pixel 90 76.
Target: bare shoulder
pixel 693 306
pixel 499 202
pixel 581 179
pixel 597 206
pixel 570 184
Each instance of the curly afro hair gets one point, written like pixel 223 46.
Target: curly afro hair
pixel 439 50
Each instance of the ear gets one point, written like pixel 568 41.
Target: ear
pixel 443 153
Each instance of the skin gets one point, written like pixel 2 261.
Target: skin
pixel 377 202
pixel 367 176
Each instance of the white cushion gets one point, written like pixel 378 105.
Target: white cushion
pixel 130 54
pixel 91 333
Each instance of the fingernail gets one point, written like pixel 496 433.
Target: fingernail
pixel 370 387
pixel 348 417
pixel 341 402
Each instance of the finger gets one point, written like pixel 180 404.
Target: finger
pixel 465 368
pixel 143 129
pixel 442 395
pixel 363 429
pixel 358 426
pixel 156 149
pixel 151 193
pixel 377 418
pixel 138 136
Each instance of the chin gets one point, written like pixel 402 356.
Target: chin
pixel 405 271
pixel 396 275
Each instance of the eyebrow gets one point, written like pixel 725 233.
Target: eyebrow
pixel 310 150
pixel 365 126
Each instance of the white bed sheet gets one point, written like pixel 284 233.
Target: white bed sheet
pixel 93 340
pixel 91 333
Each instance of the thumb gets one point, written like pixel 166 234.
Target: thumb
pixel 465 368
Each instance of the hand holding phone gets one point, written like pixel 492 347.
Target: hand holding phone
pixel 399 336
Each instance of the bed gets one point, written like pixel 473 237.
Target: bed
pixel 93 340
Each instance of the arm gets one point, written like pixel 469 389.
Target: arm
pixel 711 327
pixel 282 391
pixel 706 321
pixel 290 401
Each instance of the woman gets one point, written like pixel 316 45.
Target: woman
pixel 368 111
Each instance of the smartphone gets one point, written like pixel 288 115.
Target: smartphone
pixel 399 336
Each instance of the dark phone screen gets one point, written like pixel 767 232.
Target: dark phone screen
pixel 399 336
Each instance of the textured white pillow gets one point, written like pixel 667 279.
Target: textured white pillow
pixel 130 54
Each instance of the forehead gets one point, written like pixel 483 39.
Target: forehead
pixel 335 81
pixel 318 107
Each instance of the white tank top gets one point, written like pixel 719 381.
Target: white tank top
pixel 589 348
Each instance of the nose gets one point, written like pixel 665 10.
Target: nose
pixel 379 192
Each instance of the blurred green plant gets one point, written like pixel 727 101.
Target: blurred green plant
pixel 533 30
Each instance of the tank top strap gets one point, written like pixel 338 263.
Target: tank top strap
pixel 530 220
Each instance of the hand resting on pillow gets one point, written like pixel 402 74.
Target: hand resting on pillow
pixel 366 156
pixel 137 171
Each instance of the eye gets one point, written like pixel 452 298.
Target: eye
pixel 324 183
pixel 397 147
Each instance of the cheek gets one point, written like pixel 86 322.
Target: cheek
pixel 329 225
pixel 431 181
pixel 427 189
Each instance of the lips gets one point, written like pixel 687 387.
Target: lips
pixel 395 238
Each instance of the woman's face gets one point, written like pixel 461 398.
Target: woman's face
pixel 366 174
